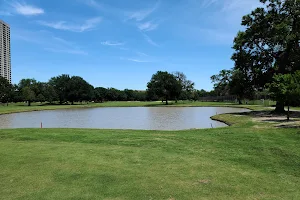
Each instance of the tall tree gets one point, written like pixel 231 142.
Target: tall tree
pixel 286 87
pixel 6 90
pixel 221 82
pixel 164 85
pixel 100 94
pixel 28 95
pixel 271 40
pixel 79 89
pixel 187 85
pixel 60 85
pixel 28 89
pixel 50 93
pixel 240 85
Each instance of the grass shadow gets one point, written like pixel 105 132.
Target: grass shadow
pixel 272 117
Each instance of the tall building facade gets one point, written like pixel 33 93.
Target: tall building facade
pixel 5 63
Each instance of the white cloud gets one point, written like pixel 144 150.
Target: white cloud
pixel 147 26
pixel 25 9
pixel 112 43
pixel 150 41
pixel 62 25
pixel 141 14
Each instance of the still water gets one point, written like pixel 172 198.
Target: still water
pixel 158 118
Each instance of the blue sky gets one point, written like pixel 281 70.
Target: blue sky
pixel 118 43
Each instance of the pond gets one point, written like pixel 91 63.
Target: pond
pixel 146 118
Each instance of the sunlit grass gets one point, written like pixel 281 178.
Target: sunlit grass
pixel 238 162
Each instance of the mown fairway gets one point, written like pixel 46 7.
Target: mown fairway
pixel 240 162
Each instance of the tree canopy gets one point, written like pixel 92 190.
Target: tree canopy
pixel 164 85
pixel 270 43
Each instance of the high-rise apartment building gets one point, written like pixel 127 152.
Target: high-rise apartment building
pixel 5 64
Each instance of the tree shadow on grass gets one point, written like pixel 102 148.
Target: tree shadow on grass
pixel 288 126
pixel 272 117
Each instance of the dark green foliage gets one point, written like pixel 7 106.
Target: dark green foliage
pixel 6 90
pixel 270 43
pixel 60 85
pixel 286 87
pixel 221 82
pixel 164 85
pixel 78 89
pixel 187 86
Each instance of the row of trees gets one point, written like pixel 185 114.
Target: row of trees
pixel 64 88
pixel 266 54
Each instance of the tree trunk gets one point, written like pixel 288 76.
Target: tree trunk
pixel 166 101
pixel 288 114
pixel 279 107
pixel 29 103
pixel 72 102
pixel 60 101
pixel 7 103
pixel 240 102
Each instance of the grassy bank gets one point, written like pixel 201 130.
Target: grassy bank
pixel 22 107
pixel 244 161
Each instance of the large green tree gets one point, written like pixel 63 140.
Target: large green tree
pixel 286 87
pixel 271 41
pixel 240 85
pixel 221 82
pixel 28 95
pixel 6 90
pixel 187 86
pixel 29 89
pixel 79 89
pixel 100 94
pixel 164 85
pixel 61 86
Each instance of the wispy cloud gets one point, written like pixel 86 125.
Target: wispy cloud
pixel 107 9
pixel 135 60
pixel 141 54
pixel 5 13
pixel 124 48
pixel 94 4
pixel 87 25
pixel 140 15
pixel 213 22
pixel 112 43
pixel 48 42
pixel 147 26
pixel 150 41
pixel 25 9
pixel 207 3
pixel 69 51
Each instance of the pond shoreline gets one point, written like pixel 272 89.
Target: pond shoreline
pixel 133 118
pixel 23 108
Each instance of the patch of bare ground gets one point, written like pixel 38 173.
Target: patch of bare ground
pixel 277 120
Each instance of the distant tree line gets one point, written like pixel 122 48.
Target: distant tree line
pixel 62 89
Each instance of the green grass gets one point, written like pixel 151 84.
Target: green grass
pixel 239 162
pixel 22 107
